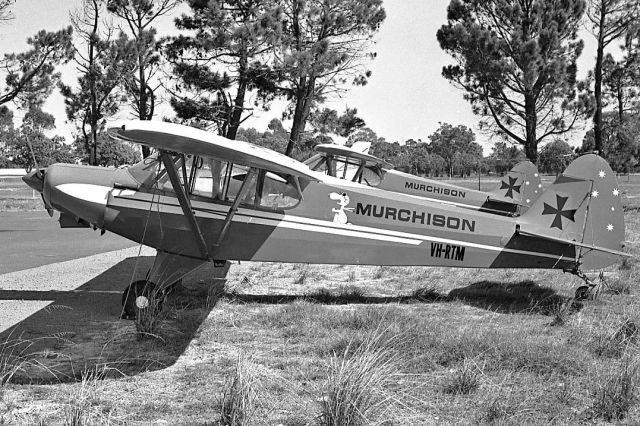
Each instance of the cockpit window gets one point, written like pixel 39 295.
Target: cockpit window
pixel 347 168
pixel 278 192
pixel 211 179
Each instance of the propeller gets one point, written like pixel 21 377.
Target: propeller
pixel 36 179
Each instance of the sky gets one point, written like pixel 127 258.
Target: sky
pixel 406 96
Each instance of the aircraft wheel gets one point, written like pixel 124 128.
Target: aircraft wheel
pixel 583 293
pixel 137 296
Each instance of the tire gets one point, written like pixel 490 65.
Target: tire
pixel 583 293
pixel 136 297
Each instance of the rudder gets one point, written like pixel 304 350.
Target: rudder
pixel 582 205
pixel 521 185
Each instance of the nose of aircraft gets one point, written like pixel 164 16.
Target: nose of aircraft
pixel 82 191
pixel 35 180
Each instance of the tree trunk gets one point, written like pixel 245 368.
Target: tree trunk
pixel 238 103
pixel 303 107
pixel 531 123
pixel 238 108
pixel 620 97
pixel 143 114
pixel 597 91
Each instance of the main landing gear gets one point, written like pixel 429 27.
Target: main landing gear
pixel 142 295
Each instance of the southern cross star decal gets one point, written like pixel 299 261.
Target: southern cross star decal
pixel 510 187
pixel 559 212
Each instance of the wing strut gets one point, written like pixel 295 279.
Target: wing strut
pixel 170 167
pixel 234 207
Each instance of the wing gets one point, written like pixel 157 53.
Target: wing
pixel 345 151
pixel 189 140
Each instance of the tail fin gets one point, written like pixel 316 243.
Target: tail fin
pixel 521 185
pixel 582 205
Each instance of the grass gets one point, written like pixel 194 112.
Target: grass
pixel 238 401
pixel 464 380
pixel 360 383
pixel 615 394
pixel 85 407
pixel 460 346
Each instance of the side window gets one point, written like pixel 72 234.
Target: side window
pixel 234 177
pixel 278 192
pixel 163 182
pixel 371 176
pixel 318 164
pixel 208 179
pixel 212 179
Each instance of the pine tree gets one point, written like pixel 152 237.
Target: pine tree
pixel 323 47
pixel 224 51
pixel 138 17
pixel 516 61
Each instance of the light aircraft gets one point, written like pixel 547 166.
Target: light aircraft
pixel 517 190
pixel 203 198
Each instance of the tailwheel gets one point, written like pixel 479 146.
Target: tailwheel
pixel 591 290
pixel 139 297
pixel 583 293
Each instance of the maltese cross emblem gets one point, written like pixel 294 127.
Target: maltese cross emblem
pixel 559 212
pixel 510 187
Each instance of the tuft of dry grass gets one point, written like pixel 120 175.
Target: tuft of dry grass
pixel 238 401
pixel 615 344
pixel 464 380
pixel 13 358
pixel 148 317
pixel 615 393
pixel 84 407
pixel 358 390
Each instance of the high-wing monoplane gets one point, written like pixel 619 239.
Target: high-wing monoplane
pixel 203 198
pixel 515 193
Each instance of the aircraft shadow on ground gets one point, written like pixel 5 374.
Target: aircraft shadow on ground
pixel 81 329
pixel 513 297
pixel 504 297
pixel 326 297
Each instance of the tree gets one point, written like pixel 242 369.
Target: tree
pixel 327 121
pixel 504 156
pixel 516 61
pixel 31 135
pixel 275 138
pixel 555 156
pixel 102 62
pixel 224 49
pixel 324 44
pixel 7 136
pixel 620 141
pixel 619 86
pixel 110 152
pixel 451 142
pixel 364 134
pixel 138 17
pixel 610 19
pixel 33 71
